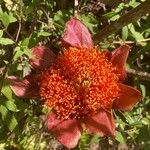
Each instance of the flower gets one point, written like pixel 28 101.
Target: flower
pixel 82 85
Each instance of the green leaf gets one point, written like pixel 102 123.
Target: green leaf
pixel 4 18
pixel 10 105
pixel 109 15
pixel 90 21
pixel 1 33
pixel 59 17
pixel 6 90
pixel 6 41
pixel 10 102
pixel 12 18
pixel 136 35
pixel 3 111
pixel 28 52
pixel 95 139
pixel 129 118
pixel 120 138
pixel 114 18
pixel 25 42
pixel 134 3
pixel 147 30
pixel 43 33
pixel 143 89
pixel 145 121
pixel 7 18
pixel 124 33
pixel 18 53
pixel 8 118
pixel 12 123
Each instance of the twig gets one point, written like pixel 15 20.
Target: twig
pixel 18 32
pixel 131 42
pixel 75 9
pixel 127 18
pixel 140 74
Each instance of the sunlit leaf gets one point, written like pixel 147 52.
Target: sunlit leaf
pixel 8 118
pixel 6 41
pixel 1 33
pixel 120 138
pixel 124 33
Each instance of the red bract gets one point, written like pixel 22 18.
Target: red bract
pixel 82 86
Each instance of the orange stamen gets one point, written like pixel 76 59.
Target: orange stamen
pixel 82 82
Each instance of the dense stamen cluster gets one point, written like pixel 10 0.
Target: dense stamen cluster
pixel 82 82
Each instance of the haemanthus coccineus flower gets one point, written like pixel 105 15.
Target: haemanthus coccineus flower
pixel 82 85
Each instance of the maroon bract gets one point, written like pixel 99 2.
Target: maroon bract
pixel 82 86
pixel 43 57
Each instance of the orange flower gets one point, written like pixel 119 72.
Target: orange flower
pixel 82 85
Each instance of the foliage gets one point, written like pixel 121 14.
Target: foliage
pixel 24 24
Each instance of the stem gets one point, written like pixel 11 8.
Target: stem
pixel 131 42
pixel 18 32
pixel 140 74
pixel 75 9
pixel 130 17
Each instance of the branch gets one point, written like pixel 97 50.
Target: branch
pixel 140 74
pixel 127 18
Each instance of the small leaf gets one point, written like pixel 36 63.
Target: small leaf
pixel 109 15
pixel 120 138
pixel 6 90
pixel 143 89
pixel 12 18
pixel 42 33
pixel 1 33
pixel 25 42
pixel 95 139
pixel 90 22
pixel 12 123
pixel 124 33
pixel 7 18
pixel 4 18
pixel 136 35
pixel 114 18
pixel 10 105
pixel 3 111
pixel 18 53
pixel 8 118
pixel 6 41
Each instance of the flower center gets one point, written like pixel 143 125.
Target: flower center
pixel 82 82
